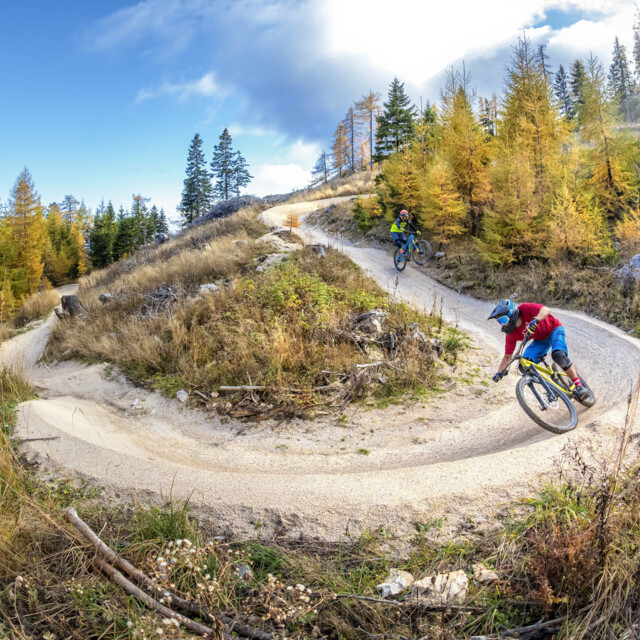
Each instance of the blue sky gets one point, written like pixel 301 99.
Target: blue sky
pixel 101 99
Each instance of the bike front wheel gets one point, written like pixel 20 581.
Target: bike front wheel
pixel 422 252
pixel 400 260
pixel 551 409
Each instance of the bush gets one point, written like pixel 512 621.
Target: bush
pixel 367 213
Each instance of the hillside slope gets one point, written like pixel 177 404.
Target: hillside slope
pixel 137 442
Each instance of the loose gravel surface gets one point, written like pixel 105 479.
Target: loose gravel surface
pixel 458 454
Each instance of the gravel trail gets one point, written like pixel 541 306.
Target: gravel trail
pixel 139 444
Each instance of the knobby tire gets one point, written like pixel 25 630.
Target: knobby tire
pixel 525 397
pixel 422 253
pixel 400 264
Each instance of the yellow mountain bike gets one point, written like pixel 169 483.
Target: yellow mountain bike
pixel 545 393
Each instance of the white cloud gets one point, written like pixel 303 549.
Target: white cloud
pixel 205 86
pixel 278 178
pixel 586 36
pixel 303 153
pixel 237 129
pixel 442 33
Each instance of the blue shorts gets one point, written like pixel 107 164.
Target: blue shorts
pixel 395 235
pixel 556 341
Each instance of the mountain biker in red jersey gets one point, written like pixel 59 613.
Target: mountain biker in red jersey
pixel 545 331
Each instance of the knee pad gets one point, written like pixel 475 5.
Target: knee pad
pixel 561 359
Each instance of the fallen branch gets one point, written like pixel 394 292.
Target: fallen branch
pixel 152 603
pixel 413 603
pixel 192 607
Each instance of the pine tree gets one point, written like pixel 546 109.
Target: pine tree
pixel 321 170
pixel 620 79
pixel 340 150
pixel 396 123
pixel 241 176
pixel 561 89
pixel 368 110
pixel 222 167
pixel 576 82
pixel 197 191
pixel 27 227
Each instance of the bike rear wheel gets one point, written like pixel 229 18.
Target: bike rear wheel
pixel 422 252
pixel 552 409
pixel 400 260
pixel 566 383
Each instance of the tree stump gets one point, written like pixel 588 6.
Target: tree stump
pixel 72 306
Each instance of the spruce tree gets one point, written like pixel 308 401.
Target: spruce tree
pixel 241 176
pixel 576 83
pixel 561 89
pixel 124 243
pixel 162 226
pixel 222 167
pixel 620 80
pixel 542 61
pixel 197 191
pixel 396 124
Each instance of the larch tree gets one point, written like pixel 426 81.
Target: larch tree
pixel 222 166
pixel 396 123
pixel 464 146
pixel 350 124
pixel 197 190
pixel 27 227
pixel 69 207
pixel 401 184
pixel 610 150
pixel 576 227
pixel 443 212
pixel 511 226
pixel 530 116
pixel 368 109
pixel 340 150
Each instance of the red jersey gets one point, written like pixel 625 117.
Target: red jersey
pixel 528 311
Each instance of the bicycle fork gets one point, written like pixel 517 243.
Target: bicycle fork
pixel 550 395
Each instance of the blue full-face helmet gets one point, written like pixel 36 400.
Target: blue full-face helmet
pixel 507 314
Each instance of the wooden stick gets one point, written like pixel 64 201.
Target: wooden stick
pixel 152 603
pixel 192 607
pixel 410 603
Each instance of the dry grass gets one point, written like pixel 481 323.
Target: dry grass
pixel 7 331
pixel 36 306
pixel 572 553
pixel 282 328
pixel 354 185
